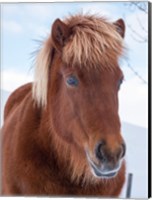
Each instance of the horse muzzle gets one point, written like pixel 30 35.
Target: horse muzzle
pixel 103 170
pixel 104 164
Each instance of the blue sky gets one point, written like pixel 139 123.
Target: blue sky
pixel 22 23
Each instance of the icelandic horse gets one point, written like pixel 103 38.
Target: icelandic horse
pixel 62 133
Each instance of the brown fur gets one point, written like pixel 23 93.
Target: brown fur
pixel 48 129
pixel 93 42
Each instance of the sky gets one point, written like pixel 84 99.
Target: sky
pixel 22 24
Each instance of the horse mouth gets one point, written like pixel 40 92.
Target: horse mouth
pixel 98 172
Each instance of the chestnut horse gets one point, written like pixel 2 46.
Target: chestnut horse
pixel 62 133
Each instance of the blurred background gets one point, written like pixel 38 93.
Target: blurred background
pixel 24 25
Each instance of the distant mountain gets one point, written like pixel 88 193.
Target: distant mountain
pixel 136 139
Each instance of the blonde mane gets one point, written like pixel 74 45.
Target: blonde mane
pixel 94 42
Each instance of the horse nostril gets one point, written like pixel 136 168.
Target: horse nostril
pixel 105 155
pixel 99 152
pixel 123 150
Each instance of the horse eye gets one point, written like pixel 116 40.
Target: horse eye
pixel 72 81
pixel 119 83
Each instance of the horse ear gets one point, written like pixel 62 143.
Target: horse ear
pixel 60 34
pixel 120 27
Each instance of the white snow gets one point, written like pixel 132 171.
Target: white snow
pixel 4 96
pixel 136 159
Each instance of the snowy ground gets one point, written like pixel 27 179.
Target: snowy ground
pixel 136 159
pixel 136 139
pixel 4 95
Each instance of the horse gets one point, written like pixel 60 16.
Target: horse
pixel 62 132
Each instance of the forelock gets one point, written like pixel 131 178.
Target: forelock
pixel 94 42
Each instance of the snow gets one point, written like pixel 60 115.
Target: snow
pixel 4 96
pixel 136 139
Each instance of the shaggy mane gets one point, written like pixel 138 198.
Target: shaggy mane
pixel 94 43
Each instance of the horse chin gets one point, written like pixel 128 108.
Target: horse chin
pixel 99 173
